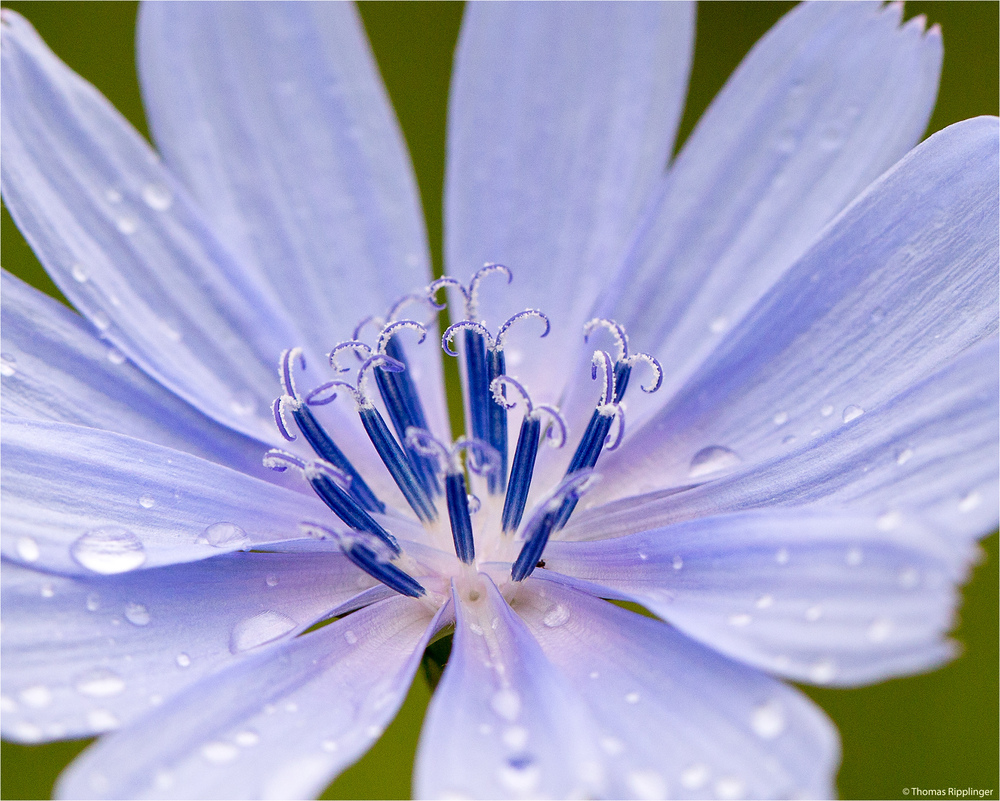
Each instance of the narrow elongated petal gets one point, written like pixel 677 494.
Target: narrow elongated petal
pixel 83 501
pixel 502 722
pixel 55 368
pixel 830 98
pixel 124 243
pixel 676 720
pixel 86 654
pixel 561 120
pixel 897 286
pixel 929 453
pixel 274 116
pixel 280 724
pixel 810 594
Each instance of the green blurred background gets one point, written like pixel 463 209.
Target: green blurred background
pixel 934 731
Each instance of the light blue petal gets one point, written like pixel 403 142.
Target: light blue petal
pixel 122 241
pixel 503 723
pixel 561 120
pixel 84 655
pixel 280 724
pixel 813 594
pixel 119 503
pixel 675 719
pixel 55 368
pixel 274 117
pixel 903 281
pixel 929 453
pixel 831 97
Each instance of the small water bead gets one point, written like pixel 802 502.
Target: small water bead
pixel 826 410
pixel 632 698
pixel 515 737
pixel 740 620
pixel 879 630
pixel 887 521
pixel 28 549
pixel 718 325
pixel 219 752
pixel 476 629
pixel 594 674
pixel 788 439
pixel 520 775
pixel 646 784
pixel 170 331
pixel 854 557
pixel 729 787
pixel 329 746
pixel 183 660
pixel 259 629
pixel 904 456
pixel 765 602
pixel 112 195
pixel 271 580
pixel 48 590
pixel 115 356
pixel 782 556
pixel 909 577
pixel 677 563
pixel 108 550
pixel 126 225
pixel 163 780
pixel 780 418
pixel 969 502
pixel 852 412
pixel 556 616
pixel 100 320
pixel 155 700
pixel 137 614
pixel 712 459
pixel 100 683
pixel 157 197
pixel 93 602
pixel 694 776
pixel 8 364
pixel 102 720
pixel 822 672
pixel 291 706
pixel 37 695
pixel 243 406
pixel 507 704
pixel 224 535
pixel 79 274
pixel 147 501
pixel 351 637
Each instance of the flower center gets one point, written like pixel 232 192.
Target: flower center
pixel 465 533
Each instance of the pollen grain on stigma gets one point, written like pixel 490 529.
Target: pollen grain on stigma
pixel 473 511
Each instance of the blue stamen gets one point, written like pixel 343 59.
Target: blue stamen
pixel 497 416
pixel 461 521
pixel 368 558
pixel 521 472
pixel 477 384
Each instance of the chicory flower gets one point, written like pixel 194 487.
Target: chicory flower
pixel 797 500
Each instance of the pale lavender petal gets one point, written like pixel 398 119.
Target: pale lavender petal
pixel 930 453
pixel 811 594
pixel 280 724
pixel 55 368
pixel 83 501
pixel 123 242
pixel 275 118
pixel 503 723
pixel 561 120
pixel 831 97
pixel 83 655
pixel 897 286
pixel 675 719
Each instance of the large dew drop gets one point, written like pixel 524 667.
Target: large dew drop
pixel 556 616
pixel 100 683
pixel 259 629
pixel 712 459
pixel 108 550
pixel 225 535
pixel 768 720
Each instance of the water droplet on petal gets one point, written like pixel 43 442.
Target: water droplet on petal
pixel 113 195
pixel 259 629
pixel 507 704
pixel 271 580
pixel 594 674
pixel 8 365
pixel 170 331
pixel 79 274
pixel 183 660
pixel 37 696
pixel 101 720
pixel 100 320
pixel 740 620
pixel 780 418
pixel 632 698
pixel 765 602
pixel 108 550
pixel 163 780
pixel 329 746
pixel 100 683
pixel 822 672
pixel 826 410
pixel 515 737
pixel 814 613
pixel 351 637
pixel 219 752
pixel 48 590
pixel 115 356
pixel 247 738
pixel 711 460
pixel 694 776
pixel 93 602
pixel 27 549
pixel 126 225
pixel 852 412
pixel 137 614
pixel 519 775
pixel 718 325
pixel 879 630
pixel 646 784
pixel 887 521
pixel 157 197
pixel 854 557
pixel 556 616
pixel 729 787
pixel 904 456
pixel 147 501
pixel 782 556
pixel 909 577
pixel 224 535
pixel 969 502
pixel 677 563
